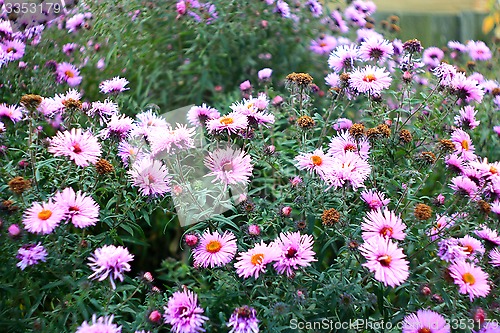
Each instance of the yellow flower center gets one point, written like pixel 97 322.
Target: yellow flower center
pixel 226 120
pixel 44 214
pixel 465 145
pixel 369 78
pixel 69 74
pixel 469 278
pixel 323 44
pixel 385 260
pixel 493 170
pixel 316 160
pixel 257 259
pixel 213 246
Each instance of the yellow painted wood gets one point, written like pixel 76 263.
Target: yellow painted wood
pixel 432 6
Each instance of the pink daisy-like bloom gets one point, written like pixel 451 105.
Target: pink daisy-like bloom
pixel 495 207
pixel 214 249
pixel 366 34
pixel 338 22
pixel 254 261
pixel 198 115
pixel 315 7
pixel 489 85
pixel 110 261
pixel 343 57
pixel 489 235
pixel 495 257
pixel 170 141
pixel 77 21
pixel 151 176
pixel 489 327
pixel 42 218
pixel 244 320
pixel 455 163
pixel 348 168
pixel 232 123
pixel 81 147
pixel 342 124
pixel 264 74
pixel 253 109
pixel 30 255
pixel 466 89
pixel 425 321
pixel 2 128
pixel 101 325
pixel 79 208
pixel 450 250
pixel 13 49
pixel 374 199
pixel 442 222
pixel 69 48
pixel 68 73
pixel 146 122
pixel 229 166
pixel 457 46
pixel 184 313
pixel 471 246
pixel 295 252
pixel 464 186
pixel 13 112
pixel 344 142
pixel 467 118
pixel 432 56
pixel 463 144
pixel 57 105
pixel 370 79
pixel 386 260
pixel 317 162
pixel 332 80
pixel 354 16
pixel 323 45
pixel 445 72
pixel 470 279
pixel 118 126
pixel 114 86
pixel 375 49
pixel 496 129
pixel 383 223
pixel 129 153
pixel 103 110
pixel 478 50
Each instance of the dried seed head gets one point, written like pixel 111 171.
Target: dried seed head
pixel 422 212
pixel 330 217
pixel 446 146
pixel 384 130
pixel 427 157
pixel 305 122
pixel 300 79
pixel 31 102
pixel 103 167
pixel 484 207
pixel 18 185
pixel 405 136
pixel 413 46
pixel 357 130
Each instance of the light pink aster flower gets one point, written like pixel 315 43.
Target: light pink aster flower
pixel 323 45
pixel 81 147
pixel 489 235
pixel 244 320
pixel 495 207
pixel 425 321
pixel 489 327
pixel 101 325
pixel 467 118
pixel 30 254
pixel 432 56
pixel 463 185
pixel 470 279
pixel 114 86
pixel 495 257
pixel 370 79
pixel 478 50
pixel 110 261
pixel 442 222
pixel 265 74
pixel 2 128
pixel 129 153
pixel 68 73
pixel 118 126
pixel 463 144
pixel 450 250
pixel 342 124
pixel 184 313
pixel 170 141
pixel 317 161
pixel 42 218
pixel 376 49
pixel 344 142
pixel 332 80
pixel 198 115
pixel 151 176
pixel 466 89
pixel 471 246
pixel 383 223
pixel 229 166
pixel 295 252
pixel 343 57
pixel 386 260
pixel 13 112
pixel 13 49
pixel 77 21
pixel 254 261
pixel 348 168
pixel 214 249
pixel 232 123
pixel 455 163
pixel 102 110
pixel 374 199
pixel 338 22
pixel 79 208
pixel 254 110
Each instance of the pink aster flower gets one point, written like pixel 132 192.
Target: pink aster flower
pixel 343 57
pixel 198 115
pixel 42 218
pixel 445 72
pixel 229 166
pixel 147 122
pixel 79 208
pixel 344 142
pixel 244 320
pixel 442 222
pixel 245 85
pixel 466 89
pixel 295 252
pixel 151 176
pixel 214 249
pixel 332 80
pixel 169 140
pixel 69 48
pixel 376 49
pixel 370 79
pixel 467 118
pixel 77 21
pixel 253 109
pixel 386 260
pixel 471 246
pixel 323 45
pixel 342 124
pixel 463 144
pixel 30 255
pixel 470 279
pixel 489 327
pixel 103 110
pixel 118 126
pixel 254 261
pixel 478 50
pixel 317 162
pixel 264 74
pixel 455 163
pixel 495 257
pixel 68 73
pixel 464 186
pixel 101 325
pixel 184 313
pixel 489 235
pixel 374 199
pixel 13 112
pixel 349 168
pixel 383 223
pixel 495 207
pixel 13 49
pixel 338 22
pixel 232 123
pixel 129 153
pixel 425 321
pixel 110 261
pixel 432 56
pixel 81 147
pixel 2 128
pixel 114 86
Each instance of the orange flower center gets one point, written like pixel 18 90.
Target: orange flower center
pixel 465 145
pixel 226 120
pixel 257 259
pixel 10 49
pixel 493 170
pixel 468 249
pixel 369 78
pixel 469 278
pixel 69 74
pixel 424 330
pixel 350 147
pixel 323 44
pixel 316 160
pixel 44 214
pixel 76 148
pixel 386 231
pixel 385 260
pixel 213 246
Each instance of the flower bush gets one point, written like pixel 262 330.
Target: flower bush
pixel 267 204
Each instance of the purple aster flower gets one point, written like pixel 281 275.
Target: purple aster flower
pixel 425 321
pixel 79 208
pixel 244 320
pixel 383 223
pixel 332 80
pixel 467 118
pixel 101 325
pixel 342 124
pixel 30 255
pixel 374 199
pixel 13 112
pixel 102 110
pixel 282 8
pixel 339 22
pixel 110 261
pixel 184 314
pixel 432 56
pixel 68 73
pixel 463 144
pixel 265 74
pixel 478 50
pixel 466 89
pixel 214 249
pixel 114 86
pixel 376 49
pixel 118 126
pixel 13 50
pixel 295 252
pixel 489 235
pixel 323 45
pixel 450 250
pixel 370 79
pixel 343 57
pixel 463 185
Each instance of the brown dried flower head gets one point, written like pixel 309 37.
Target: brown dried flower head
pixel 305 122
pixel 330 217
pixel 103 167
pixel 422 212
pixel 300 79
pixel 18 185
